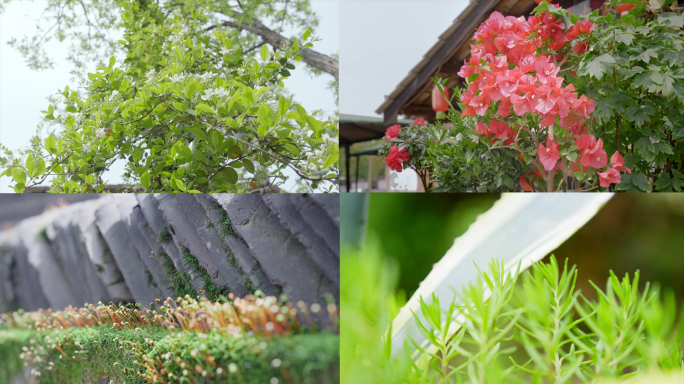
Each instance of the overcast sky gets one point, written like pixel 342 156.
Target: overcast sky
pixel 381 40
pixel 24 92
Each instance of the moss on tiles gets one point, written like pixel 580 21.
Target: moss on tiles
pixel 193 265
pixel 164 236
pixel 181 282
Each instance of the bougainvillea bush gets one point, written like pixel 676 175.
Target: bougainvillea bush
pixel 185 110
pixel 583 107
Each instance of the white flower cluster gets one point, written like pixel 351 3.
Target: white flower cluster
pixel 209 93
pixel 224 51
pixel 100 132
pixel 315 162
pixel 177 78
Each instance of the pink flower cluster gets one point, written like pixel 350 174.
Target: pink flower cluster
pixel 510 72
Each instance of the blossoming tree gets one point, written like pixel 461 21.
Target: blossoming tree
pixel 186 111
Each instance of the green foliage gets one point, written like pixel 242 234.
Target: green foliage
pixel 185 109
pixel 563 339
pixel 635 72
pixel 537 328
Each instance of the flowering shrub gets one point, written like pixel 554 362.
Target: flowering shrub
pixel 185 110
pixel 408 145
pixel 528 87
pixel 520 100
pixel 454 158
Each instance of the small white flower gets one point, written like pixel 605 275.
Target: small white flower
pixel 100 132
pixel 176 78
pixel 224 51
pixel 208 94
pixel 86 147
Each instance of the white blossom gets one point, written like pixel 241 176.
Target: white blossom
pixel 100 132
pixel 224 51
pixel 208 94
pixel 177 78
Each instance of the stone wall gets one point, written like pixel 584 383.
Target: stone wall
pixel 132 248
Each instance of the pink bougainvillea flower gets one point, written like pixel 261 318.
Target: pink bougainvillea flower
pixel 584 142
pixel 521 104
pixel 418 122
pixel 504 108
pixel 610 175
pixel 482 129
pixel 507 85
pixel 527 63
pixel 544 101
pixel 584 106
pixel 618 162
pixel 392 132
pixel 395 157
pixel 501 130
pixel 548 155
pixel 595 157
pixel 480 104
pixel 547 121
pixel 525 185
pixel 580 47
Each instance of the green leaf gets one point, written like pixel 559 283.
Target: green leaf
pixel 145 180
pixel 664 183
pixel 19 176
pixel 641 182
pixel 180 184
pixel 646 55
pixel 625 38
pixel 264 52
pixel 230 175
pixel 637 115
pixel 197 131
pixel 307 33
pixel 598 66
pixel 190 89
pixel 30 163
pixel 331 160
pixel 646 149
pixel 283 105
pixel 249 166
pixel 234 152
pixel 51 144
pixel 266 116
pixel 204 108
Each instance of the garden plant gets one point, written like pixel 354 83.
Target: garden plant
pixel 529 327
pixel 255 339
pixel 560 102
pixel 185 101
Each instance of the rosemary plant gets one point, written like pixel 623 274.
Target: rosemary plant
pixel 541 329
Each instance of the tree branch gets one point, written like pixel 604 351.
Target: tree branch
pixel 315 59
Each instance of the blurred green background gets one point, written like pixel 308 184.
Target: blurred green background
pixel 632 232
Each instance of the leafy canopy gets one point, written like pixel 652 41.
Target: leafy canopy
pixel 187 111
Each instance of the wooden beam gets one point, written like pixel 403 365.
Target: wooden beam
pixel 466 30
pixel 417 110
